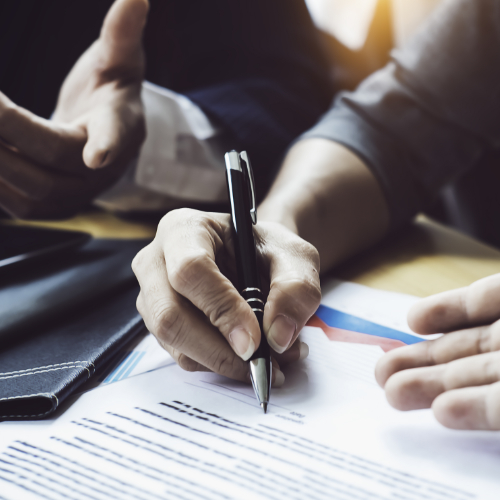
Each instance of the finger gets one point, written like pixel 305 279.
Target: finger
pixel 185 362
pixel 417 388
pixel 23 176
pixel 474 408
pixel 295 291
pixel 112 130
pixel 474 305
pixel 121 33
pixel 177 324
pixel 40 140
pixel 447 348
pixel 190 240
pixel 189 364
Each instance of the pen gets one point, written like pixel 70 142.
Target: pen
pixel 240 185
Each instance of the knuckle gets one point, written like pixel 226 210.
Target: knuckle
pixel 224 363
pixel 494 337
pixel 139 305
pixel 221 307
pixel 484 339
pixel 311 253
pixel 140 260
pixel 177 217
pixel 310 293
pixel 168 324
pixel 313 291
pixel 300 296
pixel 186 273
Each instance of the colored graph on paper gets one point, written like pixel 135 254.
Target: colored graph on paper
pixel 344 327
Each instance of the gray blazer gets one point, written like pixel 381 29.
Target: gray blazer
pixel 428 124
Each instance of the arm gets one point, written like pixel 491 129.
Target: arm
pixel 259 72
pixel 51 168
pixel 260 85
pixel 383 152
pixel 430 115
pixel 327 196
pixel 340 198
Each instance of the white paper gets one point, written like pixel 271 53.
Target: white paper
pixel 329 434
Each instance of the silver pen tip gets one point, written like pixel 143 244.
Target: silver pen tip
pixel 264 407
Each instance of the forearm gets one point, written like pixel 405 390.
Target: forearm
pixel 327 195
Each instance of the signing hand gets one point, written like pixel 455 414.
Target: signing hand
pixel 458 375
pixel 98 122
pixel 188 300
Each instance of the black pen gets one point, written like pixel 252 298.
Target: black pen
pixel 240 185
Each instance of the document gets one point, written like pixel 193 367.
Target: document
pixel 329 434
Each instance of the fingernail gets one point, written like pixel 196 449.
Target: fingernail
pixel 281 333
pixel 304 351
pixel 242 343
pixel 279 378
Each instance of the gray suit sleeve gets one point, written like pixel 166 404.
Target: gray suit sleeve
pixel 432 113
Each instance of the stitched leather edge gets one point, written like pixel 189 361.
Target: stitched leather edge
pixel 45 371
pixel 35 371
pixel 43 367
pixel 52 396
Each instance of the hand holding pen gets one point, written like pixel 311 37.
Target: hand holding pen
pixel 189 300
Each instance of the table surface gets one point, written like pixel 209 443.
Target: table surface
pixel 423 259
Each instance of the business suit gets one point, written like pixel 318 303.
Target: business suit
pixel 254 66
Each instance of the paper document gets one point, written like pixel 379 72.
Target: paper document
pixel 329 434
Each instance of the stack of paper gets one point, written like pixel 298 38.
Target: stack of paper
pixel 329 434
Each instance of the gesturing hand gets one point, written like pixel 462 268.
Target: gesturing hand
pixel 188 300
pixel 98 122
pixel 459 373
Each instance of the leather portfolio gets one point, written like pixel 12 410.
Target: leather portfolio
pixel 62 322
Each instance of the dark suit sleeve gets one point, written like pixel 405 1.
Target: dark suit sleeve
pixel 255 67
pixel 433 113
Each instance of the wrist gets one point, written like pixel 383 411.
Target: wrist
pixel 275 210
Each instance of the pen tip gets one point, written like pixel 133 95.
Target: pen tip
pixel 264 407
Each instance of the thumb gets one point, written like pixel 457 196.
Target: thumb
pixel 295 291
pixel 121 33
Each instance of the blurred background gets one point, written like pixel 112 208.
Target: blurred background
pixel 359 34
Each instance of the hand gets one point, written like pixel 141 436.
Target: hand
pixel 188 300
pixel 51 168
pixel 458 374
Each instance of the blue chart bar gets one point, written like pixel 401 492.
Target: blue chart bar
pixel 124 369
pixel 133 365
pixel 344 321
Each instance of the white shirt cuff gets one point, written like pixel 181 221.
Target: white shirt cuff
pixel 182 157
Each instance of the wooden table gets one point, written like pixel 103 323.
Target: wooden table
pixel 424 259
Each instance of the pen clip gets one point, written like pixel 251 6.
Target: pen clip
pixel 253 208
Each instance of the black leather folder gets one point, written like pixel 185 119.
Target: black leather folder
pixel 62 325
